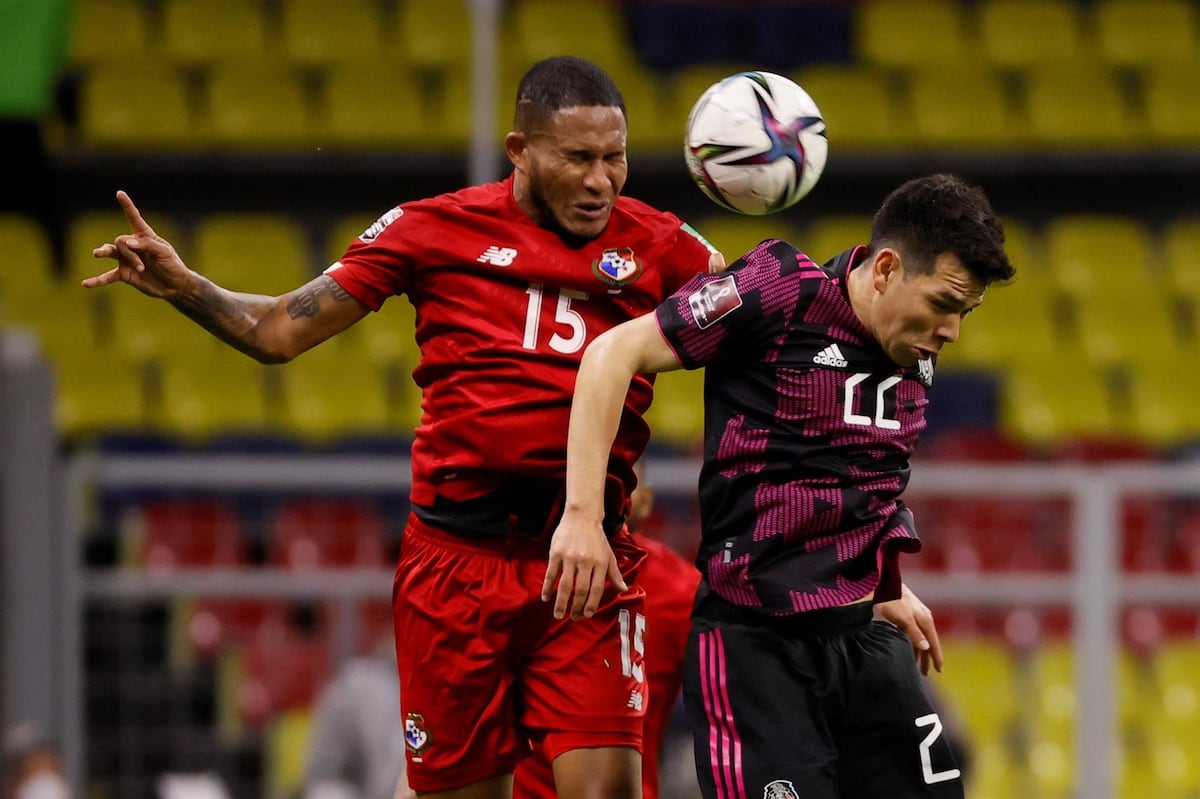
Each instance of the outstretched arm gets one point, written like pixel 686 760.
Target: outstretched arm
pixel 269 329
pixel 580 555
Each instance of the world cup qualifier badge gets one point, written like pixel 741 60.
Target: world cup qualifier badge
pixel 617 267
pixel 416 737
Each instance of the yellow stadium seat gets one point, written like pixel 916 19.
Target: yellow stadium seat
pixel 387 336
pixel 98 394
pixel 859 104
pixel 452 115
pixel 211 391
pixel 103 29
pixel 1134 33
pixel 320 32
pixel 652 122
pixel 906 33
pixel 962 107
pixel 31 272
pixel 1050 397
pixel 1069 106
pixel 1168 93
pixel 971 662
pixel 1162 407
pixel 286 747
pixel 320 404
pixel 827 236
pixel 1023 33
pixel 1181 254
pixel 376 103
pixel 1138 328
pixel 65 317
pixel 114 95
pixel 591 29
pixel 258 252
pixel 433 34
pixel 735 235
pixel 1023 247
pixel 256 104
pixel 200 32
pixel 1089 253
pixel 1177 666
pixel 676 417
pixel 141 329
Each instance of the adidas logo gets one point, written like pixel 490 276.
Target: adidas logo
pixel 830 356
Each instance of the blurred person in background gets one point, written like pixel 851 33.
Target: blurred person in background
pixel 510 280
pixel 33 767
pixel 814 397
pixel 356 746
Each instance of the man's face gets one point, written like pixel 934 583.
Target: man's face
pixel 915 315
pixel 574 167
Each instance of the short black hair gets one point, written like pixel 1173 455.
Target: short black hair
pixel 928 216
pixel 562 82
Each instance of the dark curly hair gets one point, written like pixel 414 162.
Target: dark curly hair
pixel 942 213
pixel 562 82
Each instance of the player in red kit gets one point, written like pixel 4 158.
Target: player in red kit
pixel 670 581
pixel 510 282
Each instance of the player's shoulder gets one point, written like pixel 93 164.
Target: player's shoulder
pixel 631 212
pixel 470 199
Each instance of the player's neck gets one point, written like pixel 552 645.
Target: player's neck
pixel 861 292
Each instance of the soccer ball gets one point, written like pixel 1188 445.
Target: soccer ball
pixel 755 143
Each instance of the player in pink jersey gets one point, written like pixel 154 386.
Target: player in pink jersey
pixel 510 281
pixel 814 395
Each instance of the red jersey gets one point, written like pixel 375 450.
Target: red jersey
pixel 504 310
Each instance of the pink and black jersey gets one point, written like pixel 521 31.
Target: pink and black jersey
pixel 503 313
pixel 808 431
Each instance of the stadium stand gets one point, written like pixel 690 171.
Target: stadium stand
pixel 1017 34
pixel 108 120
pixel 200 33
pixel 859 104
pixel 1138 33
pixel 899 34
pixel 256 103
pixel 97 24
pixel 318 32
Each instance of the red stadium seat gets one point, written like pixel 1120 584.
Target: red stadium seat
pixel 180 533
pixel 198 533
pixel 327 532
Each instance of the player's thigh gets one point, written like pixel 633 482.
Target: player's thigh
pixel 584 685
pixel 458 694
pixel 598 773
pixel 757 723
pixel 891 741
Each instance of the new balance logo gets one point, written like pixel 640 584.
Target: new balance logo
pixel 497 256
pixel 830 356
pixel 635 700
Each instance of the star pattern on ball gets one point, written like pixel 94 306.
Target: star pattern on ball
pixel 784 136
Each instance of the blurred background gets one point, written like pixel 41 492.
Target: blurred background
pixel 193 544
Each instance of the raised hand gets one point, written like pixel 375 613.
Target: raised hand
pixel 144 259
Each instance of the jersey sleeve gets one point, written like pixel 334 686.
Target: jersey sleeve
pixel 380 262
pixel 739 311
pixel 692 253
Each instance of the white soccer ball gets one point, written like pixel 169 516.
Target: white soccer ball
pixel 755 143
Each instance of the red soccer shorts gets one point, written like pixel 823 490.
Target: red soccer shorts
pixel 486 669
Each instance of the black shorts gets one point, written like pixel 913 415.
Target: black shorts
pixel 825 705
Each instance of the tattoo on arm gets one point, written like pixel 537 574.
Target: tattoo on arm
pixel 307 301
